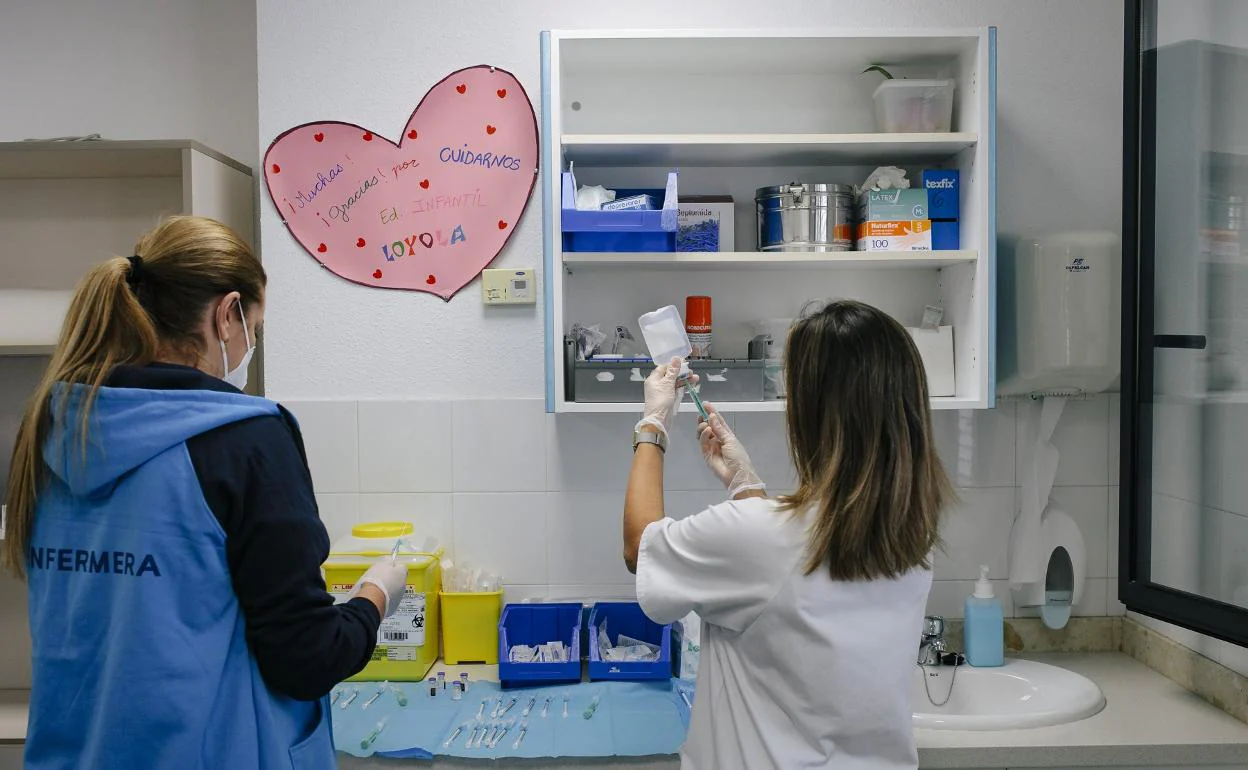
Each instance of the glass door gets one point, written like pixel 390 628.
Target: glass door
pixel 1185 394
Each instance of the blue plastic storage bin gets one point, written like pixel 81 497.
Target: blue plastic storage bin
pixel 535 624
pixel 627 618
pixel 653 230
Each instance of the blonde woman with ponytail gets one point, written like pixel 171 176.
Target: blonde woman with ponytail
pixel 166 526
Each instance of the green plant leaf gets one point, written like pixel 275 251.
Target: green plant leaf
pixel 877 68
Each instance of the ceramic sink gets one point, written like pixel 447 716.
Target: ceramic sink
pixel 1020 694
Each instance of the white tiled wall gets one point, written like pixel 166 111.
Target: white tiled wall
pixel 539 497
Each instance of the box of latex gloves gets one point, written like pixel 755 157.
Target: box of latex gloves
pixel 892 205
pixel 705 223
pixel 906 235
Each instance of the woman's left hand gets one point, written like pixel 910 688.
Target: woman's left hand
pixel 663 395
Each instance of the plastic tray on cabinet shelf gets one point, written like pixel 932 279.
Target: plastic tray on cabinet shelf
pixel 610 381
pixel 629 230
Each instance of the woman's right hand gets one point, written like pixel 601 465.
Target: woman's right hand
pixel 725 455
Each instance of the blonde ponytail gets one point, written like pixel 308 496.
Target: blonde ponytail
pixel 125 311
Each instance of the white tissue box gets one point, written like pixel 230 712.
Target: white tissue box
pixel 936 349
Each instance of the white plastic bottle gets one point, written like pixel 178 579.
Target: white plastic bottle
pixel 984 630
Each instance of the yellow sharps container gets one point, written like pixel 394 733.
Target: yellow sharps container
pixel 407 643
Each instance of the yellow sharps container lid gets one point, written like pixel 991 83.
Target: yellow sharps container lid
pixel 382 529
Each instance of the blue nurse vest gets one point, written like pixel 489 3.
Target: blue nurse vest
pixel 139 655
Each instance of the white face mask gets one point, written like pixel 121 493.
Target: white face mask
pixel 238 375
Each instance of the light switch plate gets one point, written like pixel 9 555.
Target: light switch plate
pixel 505 286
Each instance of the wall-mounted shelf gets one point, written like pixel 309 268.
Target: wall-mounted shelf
pixel 780 260
pixel 30 321
pixel 70 205
pixel 761 149
pixel 735 111
pixel 103 159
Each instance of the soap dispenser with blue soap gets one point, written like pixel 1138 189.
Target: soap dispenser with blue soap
pixel 984 625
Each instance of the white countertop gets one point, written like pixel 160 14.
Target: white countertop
pixel 1147 721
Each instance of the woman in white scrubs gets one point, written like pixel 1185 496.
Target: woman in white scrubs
pixel 811 603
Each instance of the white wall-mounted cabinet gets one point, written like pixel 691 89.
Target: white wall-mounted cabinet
pixel 736 111
pixel 65 206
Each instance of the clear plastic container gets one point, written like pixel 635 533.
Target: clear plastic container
pixel 665 335
pixel 914 106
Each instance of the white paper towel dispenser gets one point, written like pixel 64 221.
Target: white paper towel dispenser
pixel 1060 300
pixel 1060 317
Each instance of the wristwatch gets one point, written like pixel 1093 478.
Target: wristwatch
pixel 649 437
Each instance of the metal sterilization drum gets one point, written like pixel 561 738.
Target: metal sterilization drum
pixel 805 217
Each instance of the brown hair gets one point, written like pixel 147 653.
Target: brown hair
pixel 126 312
pixel 860 436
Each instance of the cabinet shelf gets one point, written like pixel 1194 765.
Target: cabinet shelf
pixel 756 260
pixel 939 402
pixel 761 149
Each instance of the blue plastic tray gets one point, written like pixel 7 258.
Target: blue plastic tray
pixel 627 618
pixel 535 624
pixel 653 230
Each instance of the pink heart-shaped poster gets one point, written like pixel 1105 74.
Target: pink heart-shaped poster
pixel 427 213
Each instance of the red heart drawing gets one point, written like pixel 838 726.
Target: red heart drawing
pixel 277 169
pixel 377 273
pixel 318 136
pixel 368 136
pixel 412 134
pixel 340 193
pixel 490 129
pixel 502 93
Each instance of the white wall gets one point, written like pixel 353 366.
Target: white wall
pixel 415 409
pixel 1059 125
pixel 538 497
pixel 464 448
pixel 131 69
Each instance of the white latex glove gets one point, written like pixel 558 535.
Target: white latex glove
pixel 725 455
pixel 663 395
pixel 390 576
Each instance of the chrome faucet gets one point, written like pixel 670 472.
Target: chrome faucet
pixel 932 644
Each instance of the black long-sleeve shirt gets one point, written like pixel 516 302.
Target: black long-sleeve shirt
pixel 255 479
